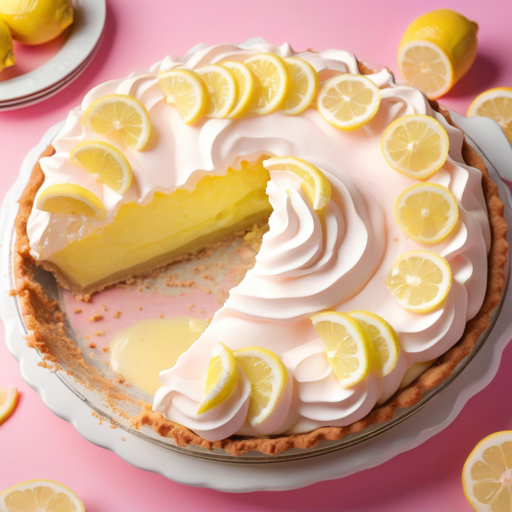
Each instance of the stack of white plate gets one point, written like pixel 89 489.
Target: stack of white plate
pixel 74 56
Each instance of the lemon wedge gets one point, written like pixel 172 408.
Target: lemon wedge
pixel 415 145
pixel 106 163
pixel 122 114
pixel 348 101
pixel 487 474
pixel 436 50
pixel 69 199
pixel 426 212
pixel 221 88
pixel 497 104
pixel 303 86
pixel 220 379
pixel 8 399
pixel 40 496
pixel 6 48
pixel 348 348
pixel 267 375
pixel 270 70
pixel 314 182
pixel 419 280
pixel 247 88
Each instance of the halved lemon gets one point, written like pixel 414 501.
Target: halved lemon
pixel 70 200
pixel 270 70
pixel 220 379
pixel 303 86
pixel 415 145
pixel 185 90
pixel 8 399
pixel 267 375
pixel 314 182
pixel 497 104
pixel 384 339
pixel 426 212
pixel 40 496
pixel 348 348
pixel 221 88
pixel 348 101
pixel 419 280
pixel 487 474
pixel 247 88
pixel 122 114
pixel 105 162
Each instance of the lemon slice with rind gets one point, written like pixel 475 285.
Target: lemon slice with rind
pixel 105 162
pixel 270 70
pixel 40 496
pixel 69 199
pixel 122 114
pixel 221 88
pixel 267 375
pixel 348 348
pixel 7 57
pixel 247 88
pixel 314 182
pixel 426 212
pixel 420 280
pixel 303 86
pixel 384 339
pixel 220 379
pixel 497 104
pixel 487 474
pixel 185 90
pixel 348 101
pixel 8 399
pixel 415 145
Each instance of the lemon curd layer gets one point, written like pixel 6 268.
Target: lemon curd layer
pixel 141 237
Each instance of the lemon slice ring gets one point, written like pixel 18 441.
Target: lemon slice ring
pixel 221 87
pixel 303 86
pixel 69 199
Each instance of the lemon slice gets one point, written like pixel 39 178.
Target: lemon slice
pixel 270 70
pixel 6 47
pixel 496 104
pixel 40 496
pixel 314 182
pixel 436 50
pixel 69 199
pixel 186 91
pixel 122 114
pixel 220 379
pixel 384 339
pixel 415 145
pixel 426 212
pixel 348 101
pixel 303 86
pixel 267 375
pixel 106 163
pixel 8 399
pixel 419 280
pixel 247 88
pixel 348 348
pixel 487 474
pixel 221 88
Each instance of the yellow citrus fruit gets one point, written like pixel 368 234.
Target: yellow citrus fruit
pixel 267 375
pixel 106 163
pixel 497 104
pixel 348 101
pixel 348 348
pixel 420 280
pixel 426 212
pixel 415 145
pixel 8 399
pixel 221 87
pixel 6 48
pixel 314 182
pixel 247 88
pixel 69 199
pixel 36 21
pixel 436 50
pixel 303 86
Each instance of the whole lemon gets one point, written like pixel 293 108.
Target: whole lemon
pixel 36 21
pixel 6 52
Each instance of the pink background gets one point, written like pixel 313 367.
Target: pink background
pixel 36 444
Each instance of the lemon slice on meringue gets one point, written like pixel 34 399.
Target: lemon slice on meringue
pixel 69 199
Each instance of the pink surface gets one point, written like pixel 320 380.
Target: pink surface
pixel 36 444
